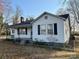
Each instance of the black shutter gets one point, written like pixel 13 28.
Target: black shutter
pixel 18 31
pixel 38 29
pixel 55 28
pixel 26 31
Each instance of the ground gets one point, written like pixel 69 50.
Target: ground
pixel 9 50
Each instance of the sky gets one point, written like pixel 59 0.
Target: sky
pixel 34 8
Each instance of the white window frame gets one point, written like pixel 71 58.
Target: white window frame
pixel 50 29
pixel 41 30
pixel 22 33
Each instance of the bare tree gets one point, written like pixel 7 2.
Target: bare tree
pixel 1 16
pixel 61 11
pixel 8 10
pixel 5 14
pixel 72 7
pixel 1 24
pixel 1 6
pixel 17 15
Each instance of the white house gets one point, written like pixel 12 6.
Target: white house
pixel 21 30
pixel 45 28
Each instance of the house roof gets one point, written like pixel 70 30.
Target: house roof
pixel 29 23
pixel 62 17
pixel 22 24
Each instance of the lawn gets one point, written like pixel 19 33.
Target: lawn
pixel 9 50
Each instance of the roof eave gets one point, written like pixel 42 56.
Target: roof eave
pixel 49 14
pixel 17 26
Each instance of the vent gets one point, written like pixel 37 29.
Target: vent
pixel 46 17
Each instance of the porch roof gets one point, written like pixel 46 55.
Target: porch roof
pixel 22 24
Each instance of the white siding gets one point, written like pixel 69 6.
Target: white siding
pixel 21 35
pixel 49 38
pixel 66 31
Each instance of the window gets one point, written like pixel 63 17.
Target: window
pixel 38 29
pixel 55 28
pixel 42 29
pixel 50 28
pixel 13 30
pixel 22 31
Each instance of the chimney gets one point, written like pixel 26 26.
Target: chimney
pixel 21 19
